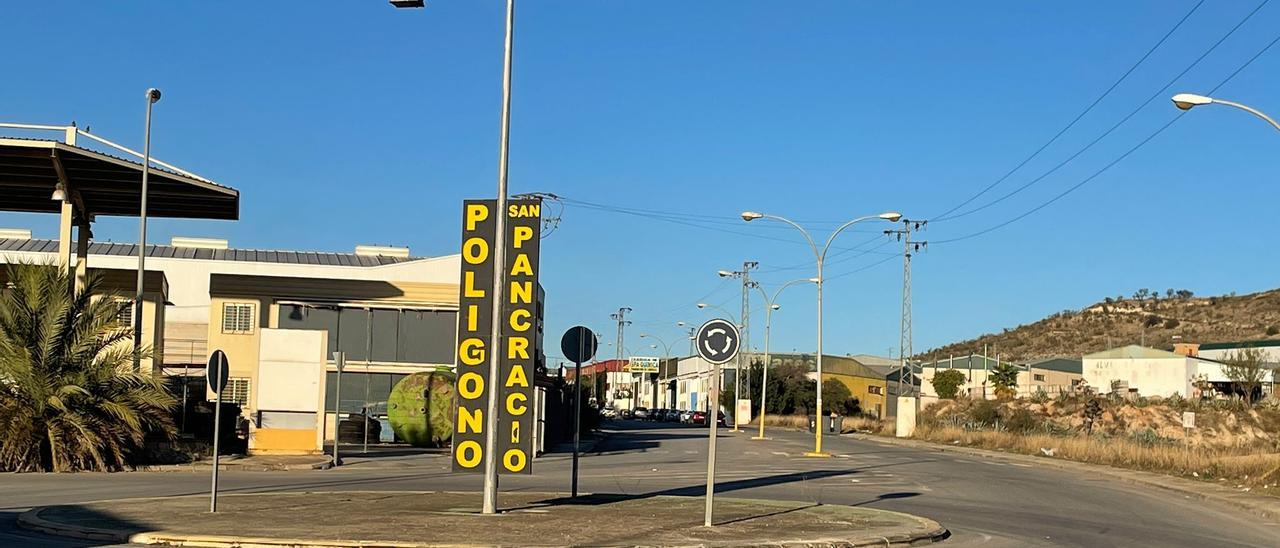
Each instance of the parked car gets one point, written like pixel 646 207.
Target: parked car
pixel 684 416
pixel 698 418
pixel 673 415
pixel 624 414
pixel 609 413
pixel 640 414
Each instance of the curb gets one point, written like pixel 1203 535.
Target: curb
pixel 205 466
pixel 1258 505
pixel 929 531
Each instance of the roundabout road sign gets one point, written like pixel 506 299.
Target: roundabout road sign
pixel 717 341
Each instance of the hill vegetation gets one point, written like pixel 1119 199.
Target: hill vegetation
pixel 1159 319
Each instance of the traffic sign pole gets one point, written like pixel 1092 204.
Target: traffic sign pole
pixel 578 344
pixel 216 376
pixel 718 342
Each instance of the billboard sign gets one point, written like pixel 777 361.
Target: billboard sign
pixel 516 351
pixel 641 365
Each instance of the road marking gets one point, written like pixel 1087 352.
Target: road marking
pixel 780 453
pixel 1020 465
pixel 751 453
pixel 992 463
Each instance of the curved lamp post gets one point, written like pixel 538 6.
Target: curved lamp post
pixel 1188 101
pixel 820 256
pixel 770 304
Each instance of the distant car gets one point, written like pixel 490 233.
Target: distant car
pixel 684 416
pixel 673 415
pixel 640 414
pixel 659 415
pixel 698 418
pixel 624 414
pixel 609 413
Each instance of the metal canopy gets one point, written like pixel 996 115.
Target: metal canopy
pixel 30 170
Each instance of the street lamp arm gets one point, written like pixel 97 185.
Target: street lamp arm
pixel 812 243
pixel 1250 110
pixel 832 238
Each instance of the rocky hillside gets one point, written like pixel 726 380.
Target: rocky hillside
pixel 1160 319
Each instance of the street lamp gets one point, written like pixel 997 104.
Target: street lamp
pixel 666 355
pixel 820 255
pixel 771 304
pixel 489 504
pixel 153 95
pixel 1188 101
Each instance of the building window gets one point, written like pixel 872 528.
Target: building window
pixel 1037 377
pixel 875 390
pixel 237 318
pixel 125 318
pixel 237 391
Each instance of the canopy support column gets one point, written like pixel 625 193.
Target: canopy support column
pixel 83 233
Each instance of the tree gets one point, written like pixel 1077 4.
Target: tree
pixel 947 383
pixel 69 399
pixel 1168 293
pixel 1245 369
pixel 836 398
pixel 1004 377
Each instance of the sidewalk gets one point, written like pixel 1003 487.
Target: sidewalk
pixel 402 519
pixel 253 463
pixel 1259 505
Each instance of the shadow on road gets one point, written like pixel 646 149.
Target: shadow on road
pixel 12 535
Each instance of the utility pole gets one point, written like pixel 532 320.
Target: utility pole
pixel 905 350
pixel 743 360
pixel 621 317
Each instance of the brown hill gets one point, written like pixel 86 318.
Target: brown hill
pixel 1159 320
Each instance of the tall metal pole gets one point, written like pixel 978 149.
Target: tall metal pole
pixel 743 358
pixel 339 362
pixel 153 95
pixel 713 420
pixel 769 305
pixel 217 433
pixel 820 256
pixel 764 374
pixel 490 499
pixel 577 420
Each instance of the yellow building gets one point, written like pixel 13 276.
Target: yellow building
pixel 864 383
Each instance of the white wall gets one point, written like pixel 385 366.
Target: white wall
pixel 1150 376
pixel 189 278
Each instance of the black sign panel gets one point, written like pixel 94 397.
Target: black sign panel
pixel 475 324
pixel 579 344
pixel 216 372
pixel 516 351
pixel 519 334
pixel 717 341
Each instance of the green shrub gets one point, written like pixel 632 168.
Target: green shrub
pixel 947 383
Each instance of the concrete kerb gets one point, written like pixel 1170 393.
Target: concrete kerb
pixel 1258 505
pixel 926 531
pixel 321 463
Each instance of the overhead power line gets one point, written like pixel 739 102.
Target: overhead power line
pixel 1158 93
pixel 1115 161
pixel 1072 123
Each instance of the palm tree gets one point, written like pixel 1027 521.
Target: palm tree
pixel 69 399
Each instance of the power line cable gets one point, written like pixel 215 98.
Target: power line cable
pixel 1117 125
pixel 1078 117
pixel 1113 162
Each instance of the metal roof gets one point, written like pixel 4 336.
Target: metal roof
pixel 244 255
pixel 107 185
pixel 1133 351
pixel 1239 344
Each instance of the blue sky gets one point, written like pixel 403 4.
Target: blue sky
pixel 350 122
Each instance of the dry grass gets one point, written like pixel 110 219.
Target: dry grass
pixel 1241 466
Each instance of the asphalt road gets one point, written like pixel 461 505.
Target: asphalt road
pixel 983 502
